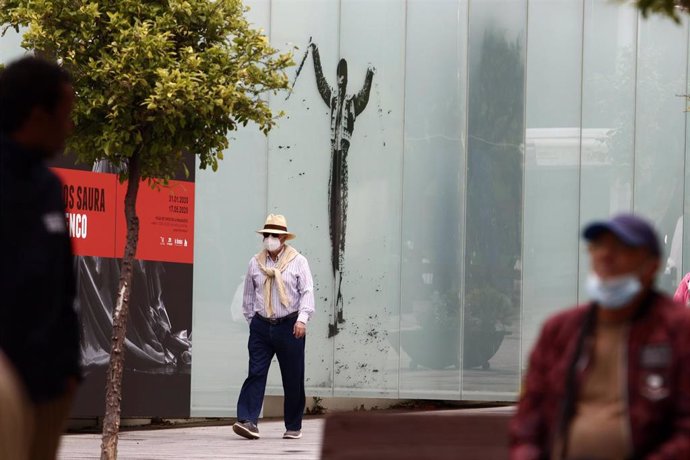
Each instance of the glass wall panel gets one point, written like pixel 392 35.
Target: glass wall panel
pixel 686 205
pixel 372 35
pixel 660 136
pixel 298 168
pixel 230 205
pixel 433 198
pixel 438 194
pixel 10 46
pixel 608 114
pixel 494 199
pixel 552 162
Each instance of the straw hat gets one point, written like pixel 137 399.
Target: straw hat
pixel 277 225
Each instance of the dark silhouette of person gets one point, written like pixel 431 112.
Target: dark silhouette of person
pixel 344 110
pixel 39 326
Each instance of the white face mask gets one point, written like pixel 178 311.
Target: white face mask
pixel 271 243
pixel 613 293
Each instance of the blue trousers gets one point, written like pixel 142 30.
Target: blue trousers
pixel 265 341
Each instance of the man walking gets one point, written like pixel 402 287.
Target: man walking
pixel 278 302
pixel 610 379
pixel 39 328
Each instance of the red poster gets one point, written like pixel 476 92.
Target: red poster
pixel 96 219
pixel 166 222
pixel 91 206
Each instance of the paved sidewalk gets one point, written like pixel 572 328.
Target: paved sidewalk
pixel 219 442
pixel 215 442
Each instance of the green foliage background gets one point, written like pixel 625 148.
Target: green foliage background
pixel 157 77
pixel 670 8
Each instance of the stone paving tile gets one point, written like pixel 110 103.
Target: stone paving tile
pixel 214 442
pixel 219 442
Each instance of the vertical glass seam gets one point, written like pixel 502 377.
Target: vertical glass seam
pixel 463 218
pixel 340 27
pixel 522 198
pixel 266 141
pixel 333 293
pixel 685 146
pixel 579 183
pixel 634 146
pixel 402 192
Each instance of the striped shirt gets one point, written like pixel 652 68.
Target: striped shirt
pixel 299 287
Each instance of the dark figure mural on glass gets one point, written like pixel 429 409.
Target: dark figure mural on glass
pixel 345 108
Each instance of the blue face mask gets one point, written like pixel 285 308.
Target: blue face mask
pixel 614 293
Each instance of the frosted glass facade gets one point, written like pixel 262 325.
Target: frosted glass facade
pixel 493 131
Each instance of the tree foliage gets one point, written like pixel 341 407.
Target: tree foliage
pixel 161 77
pixel 671 8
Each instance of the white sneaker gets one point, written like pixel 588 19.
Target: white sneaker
pixel 289 434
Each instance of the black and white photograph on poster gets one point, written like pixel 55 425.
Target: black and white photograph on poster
pixel 154 344
pixel 158 344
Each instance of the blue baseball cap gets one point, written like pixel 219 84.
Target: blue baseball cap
pixel 632 230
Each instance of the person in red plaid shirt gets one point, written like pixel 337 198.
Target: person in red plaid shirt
pixel 610 379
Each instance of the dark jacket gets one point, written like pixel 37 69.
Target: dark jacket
pixel 39 328
pixel 659 410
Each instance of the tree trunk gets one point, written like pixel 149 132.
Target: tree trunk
pixel 113 395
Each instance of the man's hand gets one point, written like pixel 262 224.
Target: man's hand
pixel 300 329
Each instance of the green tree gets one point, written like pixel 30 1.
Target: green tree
pixel 670 8
pixel 154 79
pixel 496 126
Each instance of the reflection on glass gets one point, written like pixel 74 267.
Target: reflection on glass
pixel 553 149
pixel 660 134
pixel 494 200
pixel 608 113
pixel 372 36
pixel 433 185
